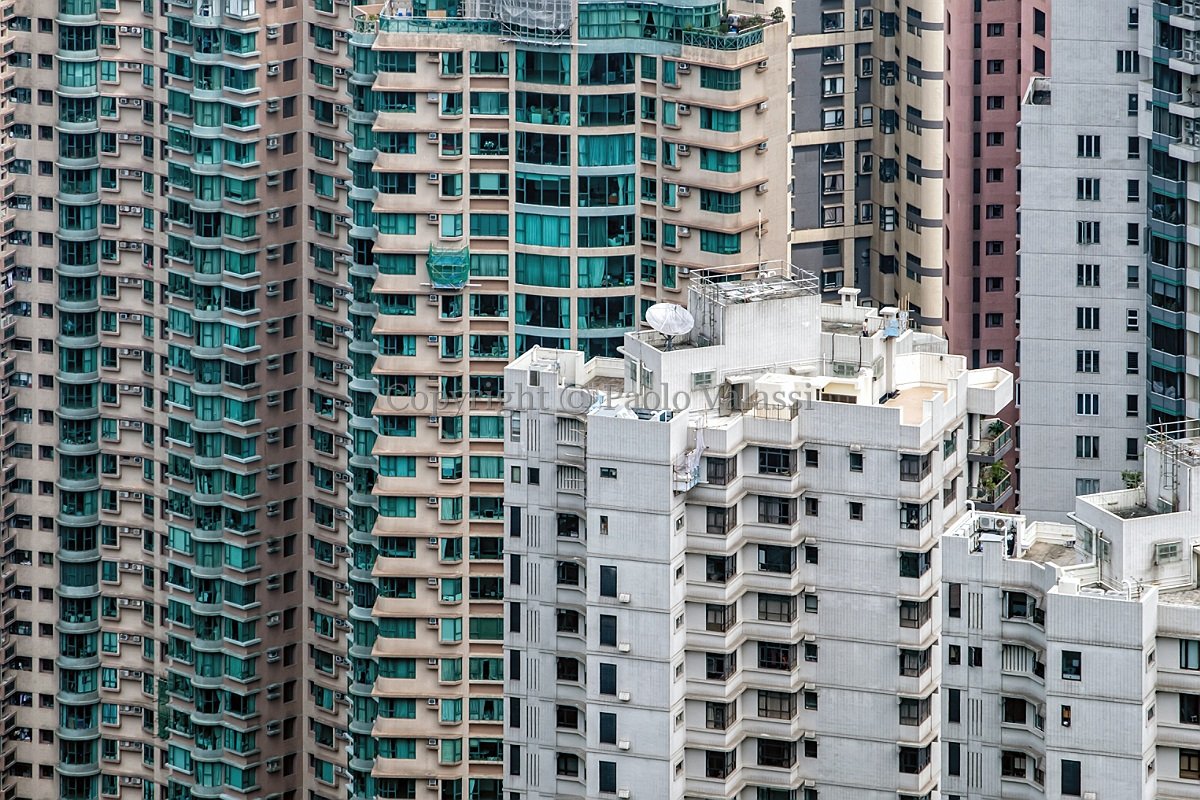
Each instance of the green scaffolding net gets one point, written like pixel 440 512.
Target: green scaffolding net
pixel 448 269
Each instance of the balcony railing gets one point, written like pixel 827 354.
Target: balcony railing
pixel 995 441
pixel 994 488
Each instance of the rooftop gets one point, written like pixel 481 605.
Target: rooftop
pixel 751 283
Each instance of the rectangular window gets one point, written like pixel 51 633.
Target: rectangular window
pixel 1072 665
pixel 1087 232
pixel 1087 274
pixel 1087 446
pixel 1072 781
pixel 1087 188
pixel 1087 404
pixel 1128 61
pixel 1087 146
pixel 1087 318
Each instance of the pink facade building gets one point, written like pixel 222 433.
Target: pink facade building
pixel 994 47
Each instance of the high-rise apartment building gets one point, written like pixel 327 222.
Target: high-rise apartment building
pixel 1073 664
pixel 724 576
pixel 1084 320
pixel 1169 102
pixel 994 48
pixel 867 150
pixel 266 261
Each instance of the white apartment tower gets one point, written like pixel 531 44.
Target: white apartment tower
pixel 1072 652
pixel 1083 285
pixel 723 551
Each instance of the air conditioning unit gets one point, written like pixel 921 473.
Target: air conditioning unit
pixel 433 177
pixel 623 597
pixel 274 727
pixel 272 31
pixel 274 764
pixel 272 142
pixel 432 744
pixel 684 191
pixel 684 232
pixel 273 68
pixel 432 662
pixel 433 136
pixel 432 701
pixel 683 150
pixel 683 67
pixel 762 65
pixel 762 147
pixel 431 97
pixel 623 794
pixel 624 697
pixel 432 622
pixel 684 109
pixel 434 218
pixel 272 104
pixel 760 189
pixel 762 107
pixel 273 619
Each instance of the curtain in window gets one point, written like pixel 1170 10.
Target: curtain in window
pixel 543 230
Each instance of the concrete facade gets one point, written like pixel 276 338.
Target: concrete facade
pixel 1083 314
pixel 687 609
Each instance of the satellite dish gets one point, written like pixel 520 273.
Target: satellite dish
pixel 670 320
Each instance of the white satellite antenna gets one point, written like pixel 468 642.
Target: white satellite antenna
pixel 670 320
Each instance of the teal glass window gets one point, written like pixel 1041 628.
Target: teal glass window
pixel 536 66
pixel 715 119
pixel 543 230
pixel 720 160
pixel 541 270
pixel 726 80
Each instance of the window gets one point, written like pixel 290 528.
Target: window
pixel 1087 274
pixel 1087 188
pixel 1087 446
pixel 608 581
pixel 1128 61
pixel 913 759
pixel 1087 318
pixel 1087 146
pixel 1132 277
pixel 993 284
pixel 1086 486
pixel 775 461
pixel 995 29
pixel 954 601
pixel 856 462
pixel 1133 233
pixel 608 679
pixel 1166 552
pixel 1189 654
pixel 1087 232
pixel 1131 319
pixel 1131 362
pixel 1072 780
pixel 1072 665
pixel 1087 404
pixel 1133 16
